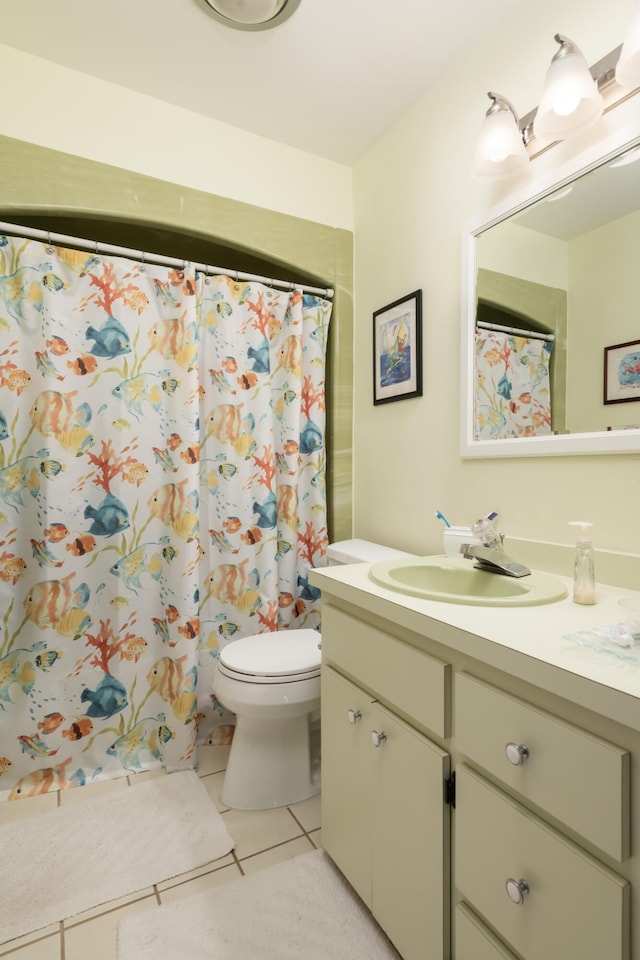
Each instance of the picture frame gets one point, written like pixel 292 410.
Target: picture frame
pixel 622 372
pixel 397 349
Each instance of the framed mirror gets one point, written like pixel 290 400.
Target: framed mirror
pixel 551 318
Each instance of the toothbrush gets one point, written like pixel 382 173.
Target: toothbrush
pixel 491 516
pixel 441 516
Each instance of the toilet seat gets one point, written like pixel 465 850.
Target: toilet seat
pixel 284 656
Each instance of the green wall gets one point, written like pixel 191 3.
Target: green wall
pixel 67 194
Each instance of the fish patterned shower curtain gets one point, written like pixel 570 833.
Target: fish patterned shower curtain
pixel 263 499
pixel 512 389
pixel 106 566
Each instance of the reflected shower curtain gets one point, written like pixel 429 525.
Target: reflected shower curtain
pixel 512 389
pixel 106 565
pixel 262 459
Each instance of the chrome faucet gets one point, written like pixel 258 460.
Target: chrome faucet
pixel 490 556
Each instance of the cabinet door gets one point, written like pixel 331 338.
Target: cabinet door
pixel 347 758
pixel 410 838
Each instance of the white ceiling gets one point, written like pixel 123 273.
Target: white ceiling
pixel 330 80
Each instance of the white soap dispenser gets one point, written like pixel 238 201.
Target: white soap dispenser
pixel 584 579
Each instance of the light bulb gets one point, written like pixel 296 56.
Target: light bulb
pixel 565 106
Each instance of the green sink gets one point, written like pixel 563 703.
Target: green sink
pixel 458 581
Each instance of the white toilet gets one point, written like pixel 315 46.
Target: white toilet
pixel 271 681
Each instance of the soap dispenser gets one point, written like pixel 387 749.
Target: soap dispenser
pixel 584 580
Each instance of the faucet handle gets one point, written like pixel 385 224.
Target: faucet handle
pixel 486 532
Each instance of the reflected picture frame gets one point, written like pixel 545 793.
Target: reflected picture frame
pixel 397 349
pixel 622 372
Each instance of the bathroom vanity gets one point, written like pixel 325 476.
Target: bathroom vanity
pixel 478 777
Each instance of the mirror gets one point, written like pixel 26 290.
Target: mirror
pixel 551 318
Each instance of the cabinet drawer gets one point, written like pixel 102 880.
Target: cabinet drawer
pixel 577 778
pixel 414 683
pixel 575 907
pixel 474 941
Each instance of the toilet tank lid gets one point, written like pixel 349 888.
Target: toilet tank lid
pixel 360 551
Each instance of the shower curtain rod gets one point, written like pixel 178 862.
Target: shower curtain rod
pixel 61 239
pixel 531 334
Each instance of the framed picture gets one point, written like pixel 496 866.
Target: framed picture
pixel 397 350
pixel 622 372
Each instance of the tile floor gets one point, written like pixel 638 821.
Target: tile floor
pixel 262 838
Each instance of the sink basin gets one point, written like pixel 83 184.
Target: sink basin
pixel 458 581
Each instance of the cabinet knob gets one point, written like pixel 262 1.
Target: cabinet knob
pixel 353 716
pixel 517 890
pixel 516 753
pixel 377 739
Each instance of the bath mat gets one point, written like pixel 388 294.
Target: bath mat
pixel 78 857
pixel 302 908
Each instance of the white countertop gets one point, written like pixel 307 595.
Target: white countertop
pixel 593 678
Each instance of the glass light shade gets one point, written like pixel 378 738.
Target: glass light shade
pixel 500 151
pixel 570 101
pixel 251 14
pixel 628 66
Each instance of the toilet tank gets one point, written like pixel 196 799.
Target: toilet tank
pixel 359 551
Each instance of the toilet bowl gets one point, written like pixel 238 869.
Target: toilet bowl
pixel 271 681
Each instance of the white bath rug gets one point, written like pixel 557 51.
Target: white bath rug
pixel 302 909
pixel 58 864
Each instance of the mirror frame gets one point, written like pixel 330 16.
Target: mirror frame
pixel 600 442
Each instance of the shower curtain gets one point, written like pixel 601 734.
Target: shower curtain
pixel 156 473
pixel 512 389
pixel 263 498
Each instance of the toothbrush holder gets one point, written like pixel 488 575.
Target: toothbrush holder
pixel 455 537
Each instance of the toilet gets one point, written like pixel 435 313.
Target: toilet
pixel 271 681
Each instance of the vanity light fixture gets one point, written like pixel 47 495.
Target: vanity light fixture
pixel 628 66
pixel 571 101
pixel 500 150
pixel 251 14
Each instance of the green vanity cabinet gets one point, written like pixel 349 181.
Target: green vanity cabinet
pixel 537 857
pixel 385 821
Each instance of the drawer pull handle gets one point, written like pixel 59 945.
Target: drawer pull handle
pixel 516 753
pixel 377 739
pixel 353 716
pixel 517 890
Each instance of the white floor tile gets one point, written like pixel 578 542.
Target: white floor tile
pixel 144 894
pixel 97 938
pixel 200 884
pixel 316 838
pixel 212 759
pixel 307 812
pixel 286 851
pixel 47 949
pixel 213 784
pixel 193 874
pixel 255 830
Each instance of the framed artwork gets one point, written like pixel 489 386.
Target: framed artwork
pixel 622 372
pixel 397 350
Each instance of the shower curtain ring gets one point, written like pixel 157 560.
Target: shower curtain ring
pixel 142 266
pixel 49 246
